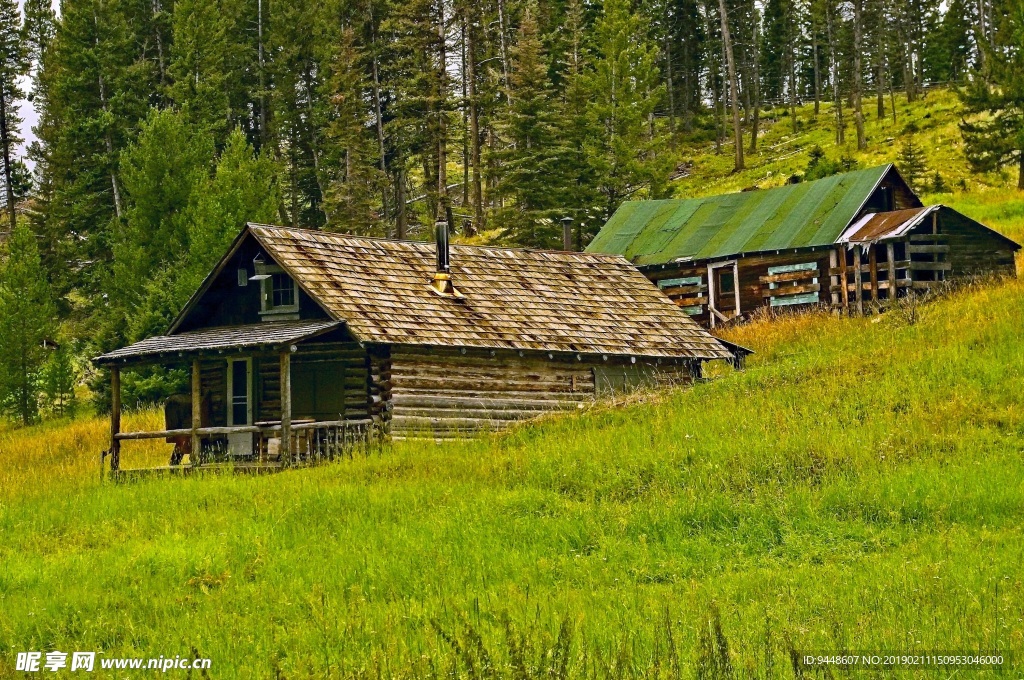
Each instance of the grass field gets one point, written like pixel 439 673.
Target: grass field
pixel 859 487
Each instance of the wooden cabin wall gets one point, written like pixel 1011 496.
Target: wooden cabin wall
pixel 315 365
pixel 213 376
pixel 754 281
pixel 974 251
pixel 443 393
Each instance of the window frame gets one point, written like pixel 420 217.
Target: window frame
pixel 267 307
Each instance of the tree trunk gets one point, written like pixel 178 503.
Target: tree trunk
pixel 442 119
pixel 1020 169
pixel 817 77
pixel 755 123
pixel 737 131
pixel 669 85
pixel 502 46
pixel 833 75
pixel 379 118
pixel 474 122
pixel 858 80
pixel 401 220
pixel 5 142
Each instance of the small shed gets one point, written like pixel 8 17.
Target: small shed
pixel 301 338
pixel 853 241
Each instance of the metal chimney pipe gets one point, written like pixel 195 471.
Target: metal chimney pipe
pixel 442 283
pixel 441 241
pixel 567 233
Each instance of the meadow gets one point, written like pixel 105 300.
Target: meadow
pixel 859 487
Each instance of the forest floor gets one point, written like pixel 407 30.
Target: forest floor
pixel 859 487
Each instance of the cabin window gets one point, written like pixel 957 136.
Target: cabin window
pixel 793 284
pixel 279 294
pixel 726 283
pixel 283 294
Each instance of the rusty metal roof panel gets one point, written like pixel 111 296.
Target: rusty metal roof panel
pixel 877 226
pixel 269 334
pixel 514 298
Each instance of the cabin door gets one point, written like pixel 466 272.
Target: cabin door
pixel 239 405
pixel 724 293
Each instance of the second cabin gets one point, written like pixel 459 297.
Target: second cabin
pixel 853 241
pixel 301 339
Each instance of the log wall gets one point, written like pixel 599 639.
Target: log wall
pixel 443 393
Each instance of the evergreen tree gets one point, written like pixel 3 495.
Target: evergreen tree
pixel 161 172
pixel 994 101
pixel 354 175
pixel 13 64
pixel 623 90
pixel 39 28
pixel 58 381
pixel 530 159
pixel 26 321
pixel 911 160
pixel 198 64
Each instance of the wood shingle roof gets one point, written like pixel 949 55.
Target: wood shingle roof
pixel 514 298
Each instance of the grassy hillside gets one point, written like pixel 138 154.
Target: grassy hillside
pixel 991 198
pixel 860 486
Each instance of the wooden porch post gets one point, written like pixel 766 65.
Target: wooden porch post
pixel 711 295
pixel 197 412
pixel 890 252
pixel 286 406
pixel 873 260
pixel 736 284
pixel 858 280
pixel 845 276
pixel 115 418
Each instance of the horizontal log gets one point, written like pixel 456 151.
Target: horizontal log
pixel 497 403
pixel 684 290
pixel 927 249
pixel 866 268
pixel 690 301
pixel 401 373
pixel 791 290
pixel 866 285
pixel 449 393
pixel 492 386
pixel 790 276
pixel 919 238
pixel 445 415
pixel 202 432
pixel 501 359
pixel 931 266
pixel 418 423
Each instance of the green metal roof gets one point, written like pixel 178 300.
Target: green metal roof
pixel 793 216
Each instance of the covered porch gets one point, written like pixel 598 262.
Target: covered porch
pixel 261 398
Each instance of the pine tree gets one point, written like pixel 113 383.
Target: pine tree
pixel 530 157
pixel 13 64
pixel 353 187
pixel 198 64
pixel 993 131
pixel 39 28
pixel 26 321
pixel 161 171
pixel 623 89
pixel 58 379
pixel 911 160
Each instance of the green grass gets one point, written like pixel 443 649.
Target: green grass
pixel 860 486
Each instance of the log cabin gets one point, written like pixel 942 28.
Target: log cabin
pixel 855 241
pixel 300 340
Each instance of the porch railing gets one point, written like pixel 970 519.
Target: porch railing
pixel 309 443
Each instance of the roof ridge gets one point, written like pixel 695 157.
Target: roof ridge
pixel 383 239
